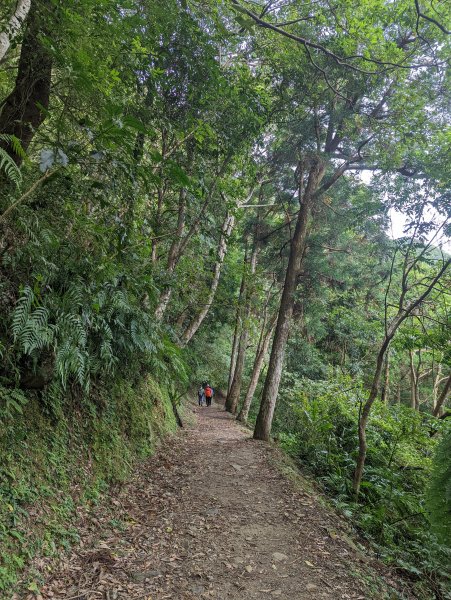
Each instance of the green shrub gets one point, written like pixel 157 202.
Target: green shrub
pixel 439 492
pixel 316 423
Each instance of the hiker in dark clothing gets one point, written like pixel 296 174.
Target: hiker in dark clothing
pixel 201 395
pixel 208 394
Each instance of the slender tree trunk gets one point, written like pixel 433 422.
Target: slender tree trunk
pixel 442 398
pixel 173 257
pixel 257 369
pixel 236 341
pixel 385 392
pixel 271 388
pixel 437 379
pixel 181 241
pixel 182 317
pixel 238 321
pixel 227 228
pixel 233 397
pixel 14 26
pixel 25 108
pixel 413 382
pixel 161 192
pixel 403 313
pixel 364 416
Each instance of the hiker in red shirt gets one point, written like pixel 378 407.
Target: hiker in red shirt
pixel 208 394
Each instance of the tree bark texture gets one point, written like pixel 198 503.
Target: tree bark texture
pixel 25 108
pixel 385 392
pixel 256 370
pixel 442 398
pixel 14 26
pixel 297 247
pixel 236 341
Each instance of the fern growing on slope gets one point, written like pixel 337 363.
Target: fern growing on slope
pixel 7 164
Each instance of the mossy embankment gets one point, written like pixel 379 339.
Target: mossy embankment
pixel 61 455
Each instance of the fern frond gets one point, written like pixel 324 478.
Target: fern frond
pixel 22 311
pixel 7 163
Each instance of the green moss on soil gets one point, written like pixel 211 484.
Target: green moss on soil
pixel 60 454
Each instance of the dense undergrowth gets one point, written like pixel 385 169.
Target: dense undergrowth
pixel 60 454
pixel 316 423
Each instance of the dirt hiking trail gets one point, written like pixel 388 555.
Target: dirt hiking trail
pixel 212 516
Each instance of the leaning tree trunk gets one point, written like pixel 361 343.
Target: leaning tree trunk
pixel 365 413
pixel 257 368
pixel 25 108
pixel 442 398
pixel 14 26
pixel 227 228
pixel 271 388
pixel 180 242
pixel 173 256
pixel 403 313
pixel 437 379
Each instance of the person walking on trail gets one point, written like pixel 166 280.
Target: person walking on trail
pixel 201 395
pixel 208 394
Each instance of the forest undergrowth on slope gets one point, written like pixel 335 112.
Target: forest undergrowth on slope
pixel 203 191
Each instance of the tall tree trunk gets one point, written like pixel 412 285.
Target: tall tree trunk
pixel 385 392
pixel 238 320
pixel 14 26
pixel 271 388
pixel 413 382
pixel 365 413
pixel 236 341
pixel 437 379
pixel 256 370
pixel 442 398
pixel 227 228
pixel 233 397
pixel 25 108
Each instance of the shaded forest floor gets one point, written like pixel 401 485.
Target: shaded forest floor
pixel 215 515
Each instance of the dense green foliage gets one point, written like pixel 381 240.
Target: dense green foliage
pixel 439 496
pixel 317 422
pixel 155 158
